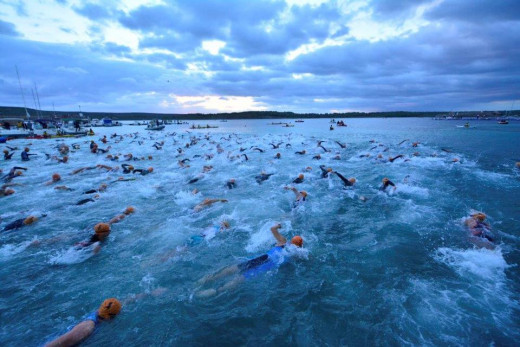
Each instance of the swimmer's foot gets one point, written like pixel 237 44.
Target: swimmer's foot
pixel 206 293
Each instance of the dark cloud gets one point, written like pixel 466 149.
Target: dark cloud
pixel 8 29
pixel 478 12
pixel 392 8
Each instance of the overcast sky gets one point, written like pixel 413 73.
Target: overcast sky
pixel 304 56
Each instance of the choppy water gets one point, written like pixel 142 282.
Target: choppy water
pixel 397 269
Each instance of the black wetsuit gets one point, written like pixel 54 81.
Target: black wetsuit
pixel 345 181
pixel 25 156
pixel 298 180
pixel 324 173
pixel 231 185
pixel 126 168
pixel 392 159
pixel 8 156
pixel 386 184
pixel 14 225
pixel 12 173
pixel 262 177
pixel 141 171
pixel 84 201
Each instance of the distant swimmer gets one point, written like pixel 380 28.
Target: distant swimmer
pixel 80 332
pixel 272 259
pixel 325 172
pixel 230 184
pixel 14 172
pixel 206 203
pixel 143 172
pixel 127 168
pixel 342 145
pixel 301 196
pixel 101 188
pixel 55 178
pixel 347 182
pixel 277 145
pixel 87 200
pixel 128 211
pixel 7 155
pixel 262 177
pixel 317 157
pixel 299 179
pixel 4 191
pixel 300 152
pixel 391 159
pixel 517 164
pixel 386 183
pixel 25 154
pixel 21 223
pixel 479 228
pixel 278 156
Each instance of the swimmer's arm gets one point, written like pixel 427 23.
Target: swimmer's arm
pixel 345 181
pixel 281 240
pixel 78 334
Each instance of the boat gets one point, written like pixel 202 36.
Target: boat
pixel 15 128
pixel 288 125
pixel 155 124
pixel 340 123
pixel 503 121
pixel 298 121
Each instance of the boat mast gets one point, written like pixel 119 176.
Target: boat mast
pixel 38 99
pixel 23 96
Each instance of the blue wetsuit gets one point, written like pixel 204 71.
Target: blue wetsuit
pixel 93 317
pixel 196 239
pixel 273 258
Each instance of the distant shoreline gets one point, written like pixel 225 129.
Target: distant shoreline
pixel 19 112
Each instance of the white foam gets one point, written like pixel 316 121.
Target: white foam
pixel 483 263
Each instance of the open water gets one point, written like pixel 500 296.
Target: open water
pixel 396 269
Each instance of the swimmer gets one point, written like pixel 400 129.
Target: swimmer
pixel 7 155
pixel 55 178
pixel 107 311
pixel 63 188
pixel 262 177
pixel 517 164
pixel 6 191
pixel 21 223
pixel 25 154
pixel 278 156
pixel 101 232
pixel 101 188
pixel 84 201
pixel 231 184
pixel 128 211
pixel 391 159
pixel 143 172
pixel 347 182
pixel 478 227
pixel 325 172
pixel 301 196
pixel 342 145
pixel 299 179
pixel 273 258
pixel 13 173
pixel 300 152
pixel 317 157
pixel 206 203
pixel 386 183
pixel 127 168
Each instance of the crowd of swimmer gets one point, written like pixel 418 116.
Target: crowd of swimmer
pixel 480 232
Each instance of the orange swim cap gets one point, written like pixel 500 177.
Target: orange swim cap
pixel 297 241
pixel 150 157
pixel 6 151
pixel 8 191
pixel 26 149
pixel 329 169
pixel 129 210
pixel 300 176
pixel 480 216
pixel 101 228
pixel 308 168
pixel 518 164
pixel 29 220
pixel 352 180
pixel 56 177
pixel 65 159
pixel 150 169
pixel 19 173
pixel 109 308
pixel 385 180
pixel 226 224
pixel 130 167
pixel 304 193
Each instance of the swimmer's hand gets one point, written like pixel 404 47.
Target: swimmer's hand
pixel 223 200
